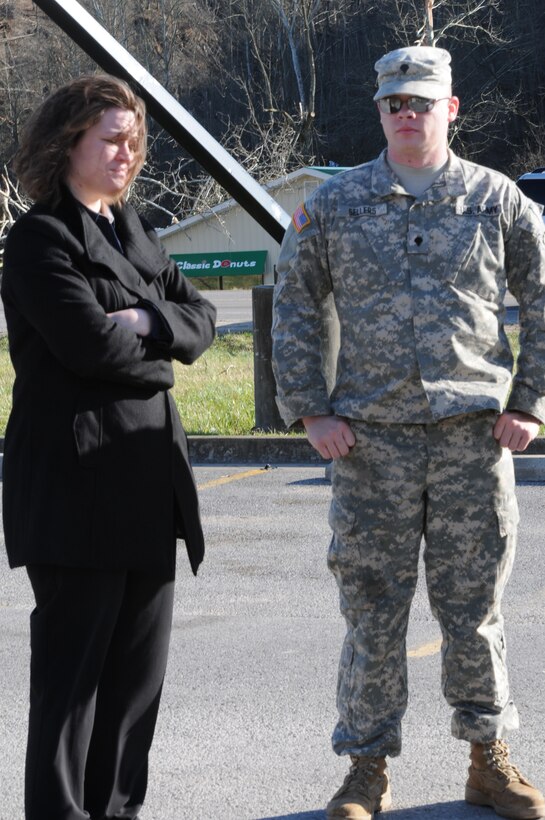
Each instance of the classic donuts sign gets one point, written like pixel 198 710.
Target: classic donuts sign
pixel 221 264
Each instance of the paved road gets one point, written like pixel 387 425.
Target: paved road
pixel 234 308
pixel 249 699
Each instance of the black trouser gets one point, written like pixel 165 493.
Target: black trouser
pixel 99 643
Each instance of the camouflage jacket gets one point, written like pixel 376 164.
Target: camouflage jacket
pixel 419 287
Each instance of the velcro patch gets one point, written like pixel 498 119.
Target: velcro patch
pixel 486 209
pixel 371 209
pixel 300 219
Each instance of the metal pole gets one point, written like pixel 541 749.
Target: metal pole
pixel 104 49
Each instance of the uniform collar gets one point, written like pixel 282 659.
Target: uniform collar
pixel 450 183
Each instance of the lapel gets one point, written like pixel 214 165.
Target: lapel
pixel 139 250
pixel 142 262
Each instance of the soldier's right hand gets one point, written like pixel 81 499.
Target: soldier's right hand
pixel 331 436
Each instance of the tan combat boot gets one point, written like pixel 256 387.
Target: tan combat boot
pixel 366 789
pixel 494 781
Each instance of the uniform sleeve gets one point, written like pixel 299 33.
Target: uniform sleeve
pixel 44 292
pixel 303 284
pixel 186 325
pixel 525 265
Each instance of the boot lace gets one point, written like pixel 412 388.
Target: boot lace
pixel 363 775
pixel 497 757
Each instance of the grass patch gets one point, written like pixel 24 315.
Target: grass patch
pixel 6 383
pixel 215 396
pixel 513 336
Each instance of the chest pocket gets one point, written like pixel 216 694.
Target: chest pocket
pixel 474 256
pixel 371 243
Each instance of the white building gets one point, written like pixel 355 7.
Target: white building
pixel 227 241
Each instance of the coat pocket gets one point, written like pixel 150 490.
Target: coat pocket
pixel 88 429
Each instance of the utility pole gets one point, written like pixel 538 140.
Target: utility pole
pixel 429 34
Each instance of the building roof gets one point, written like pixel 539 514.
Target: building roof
pixel 316 171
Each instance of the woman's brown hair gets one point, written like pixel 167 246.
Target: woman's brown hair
pixel 41 162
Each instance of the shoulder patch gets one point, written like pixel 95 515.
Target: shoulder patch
pixel 300 218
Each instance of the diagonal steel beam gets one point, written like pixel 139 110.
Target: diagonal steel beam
pixel 104 49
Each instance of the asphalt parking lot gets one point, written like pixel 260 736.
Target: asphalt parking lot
pixel 249 700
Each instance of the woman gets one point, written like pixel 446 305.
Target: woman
pixel 97 483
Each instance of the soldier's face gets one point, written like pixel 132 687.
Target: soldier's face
pixel 419 138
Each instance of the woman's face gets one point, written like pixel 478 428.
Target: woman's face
pixel 101 162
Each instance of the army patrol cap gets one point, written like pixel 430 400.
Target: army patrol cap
pixel 420 71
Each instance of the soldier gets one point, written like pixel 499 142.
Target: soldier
pixel 417 248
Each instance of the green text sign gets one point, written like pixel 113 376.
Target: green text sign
pixel 221 264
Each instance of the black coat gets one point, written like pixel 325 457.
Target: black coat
pixel 96 470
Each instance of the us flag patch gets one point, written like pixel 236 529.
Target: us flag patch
pixel 300 219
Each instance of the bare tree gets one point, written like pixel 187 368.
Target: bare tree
pixel 455 16
pixel 12 204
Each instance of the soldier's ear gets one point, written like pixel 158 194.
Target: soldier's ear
pixel 453 106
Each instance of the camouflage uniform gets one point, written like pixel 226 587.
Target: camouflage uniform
pixel 424 369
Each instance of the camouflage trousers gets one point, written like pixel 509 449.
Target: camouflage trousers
pixel 451 484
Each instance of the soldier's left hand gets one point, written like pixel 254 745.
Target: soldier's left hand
pixel 515 430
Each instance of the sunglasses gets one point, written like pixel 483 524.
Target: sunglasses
pixel 420 105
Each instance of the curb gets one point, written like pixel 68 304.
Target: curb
pixel 216 450
pixel 275 449
pixel 252 449
pixel 208 450
pixel 530 468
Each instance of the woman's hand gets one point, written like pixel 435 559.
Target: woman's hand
pixel 136 319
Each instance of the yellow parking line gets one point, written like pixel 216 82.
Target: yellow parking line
pixel 428 649
pixel 226 479
pixel 422 652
